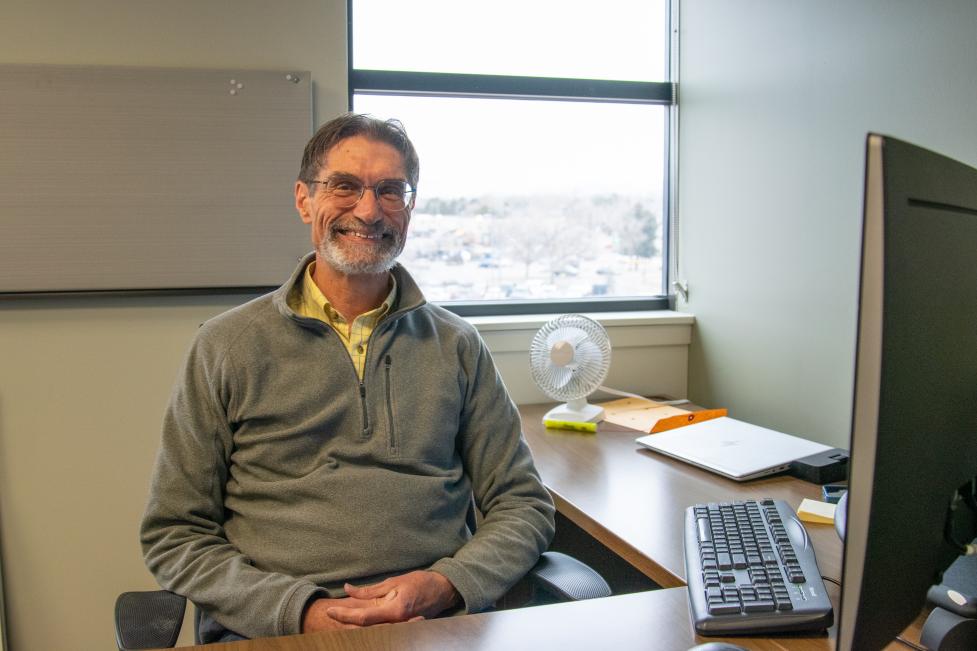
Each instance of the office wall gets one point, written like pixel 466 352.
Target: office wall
pixel 83 382
pixel 776 98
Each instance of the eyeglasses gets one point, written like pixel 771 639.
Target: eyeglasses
pixel 346 191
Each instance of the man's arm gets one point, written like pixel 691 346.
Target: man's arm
pixel 517 523
pixel 182 532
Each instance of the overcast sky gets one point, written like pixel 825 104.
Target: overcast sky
pixel 472 146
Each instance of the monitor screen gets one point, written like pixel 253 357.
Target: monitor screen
pixel 914 420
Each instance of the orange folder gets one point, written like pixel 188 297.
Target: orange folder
pixel 681 420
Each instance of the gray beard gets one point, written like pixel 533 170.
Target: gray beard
pixel 383 259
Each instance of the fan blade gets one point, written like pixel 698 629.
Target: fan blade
pixel 558 378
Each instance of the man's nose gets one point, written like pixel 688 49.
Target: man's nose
pixel 367 209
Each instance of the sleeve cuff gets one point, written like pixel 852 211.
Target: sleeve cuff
pixel 290 622
pixel 468 587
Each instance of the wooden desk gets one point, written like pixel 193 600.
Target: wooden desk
pixel 656 620
pixel 633 502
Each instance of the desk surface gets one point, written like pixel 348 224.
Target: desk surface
pixel 656 620
pixel 632 501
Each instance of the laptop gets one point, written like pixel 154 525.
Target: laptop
pixel 732 448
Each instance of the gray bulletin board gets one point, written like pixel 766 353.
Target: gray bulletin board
pixel 116 178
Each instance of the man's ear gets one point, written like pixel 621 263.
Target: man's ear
pixel 303 201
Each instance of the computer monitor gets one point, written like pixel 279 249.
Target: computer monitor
pixel 914 421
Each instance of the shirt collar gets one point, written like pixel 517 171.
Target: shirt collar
pixel 313 296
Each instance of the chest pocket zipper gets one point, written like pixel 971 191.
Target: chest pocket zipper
pixel 392 426
pixel 367 430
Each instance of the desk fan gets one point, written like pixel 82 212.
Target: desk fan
pixel 569 359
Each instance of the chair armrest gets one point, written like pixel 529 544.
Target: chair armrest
pixel 148 620
pixel 567 578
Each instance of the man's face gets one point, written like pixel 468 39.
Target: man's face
pixel 362 238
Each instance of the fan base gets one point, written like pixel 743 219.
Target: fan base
pixel 585 414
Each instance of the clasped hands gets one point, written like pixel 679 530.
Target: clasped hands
pixel 403 598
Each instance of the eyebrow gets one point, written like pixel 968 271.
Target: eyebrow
pixel 346 176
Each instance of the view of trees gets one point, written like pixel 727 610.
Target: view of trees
pixel 535 247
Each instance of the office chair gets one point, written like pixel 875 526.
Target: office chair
pixel 152 620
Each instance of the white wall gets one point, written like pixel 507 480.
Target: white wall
pixel 776 98
pixel 83 382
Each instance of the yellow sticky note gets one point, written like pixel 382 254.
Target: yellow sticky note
pixel 817 512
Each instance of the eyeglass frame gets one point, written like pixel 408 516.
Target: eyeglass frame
pixel 412 191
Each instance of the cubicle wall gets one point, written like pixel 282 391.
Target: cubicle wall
pixel 131 178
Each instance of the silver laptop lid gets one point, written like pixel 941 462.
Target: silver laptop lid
pixel 731 447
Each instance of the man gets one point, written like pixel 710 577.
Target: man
pixel 322 446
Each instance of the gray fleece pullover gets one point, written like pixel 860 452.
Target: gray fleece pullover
pixel 280 475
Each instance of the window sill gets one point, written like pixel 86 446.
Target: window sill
pixel 514 333
pixel 650 350
pixel 607 319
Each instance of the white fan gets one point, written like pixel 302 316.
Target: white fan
pixel 569 359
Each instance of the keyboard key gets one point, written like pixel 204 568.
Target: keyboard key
pixel 759 607
pixel 705 532
pixel 724 609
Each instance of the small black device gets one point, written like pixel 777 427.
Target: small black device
pixel 833 492
pixel 751 570
pixel 822 468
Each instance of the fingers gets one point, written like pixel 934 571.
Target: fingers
pixel 369 591
pixel 365 616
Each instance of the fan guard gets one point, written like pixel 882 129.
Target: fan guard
pixel 569 359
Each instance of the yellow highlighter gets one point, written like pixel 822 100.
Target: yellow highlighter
pixel 571 425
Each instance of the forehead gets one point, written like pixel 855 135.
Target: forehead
pixel 364 157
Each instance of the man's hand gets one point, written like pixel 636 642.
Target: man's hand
pixel 315 617
pixel 408 597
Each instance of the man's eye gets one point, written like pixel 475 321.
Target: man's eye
pixel 344 186
pixel 392 189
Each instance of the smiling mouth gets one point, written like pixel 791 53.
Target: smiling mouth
pixel 360 235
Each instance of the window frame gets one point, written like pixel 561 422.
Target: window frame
pixel 444 84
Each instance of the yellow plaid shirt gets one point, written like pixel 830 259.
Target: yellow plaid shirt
pixel 312 304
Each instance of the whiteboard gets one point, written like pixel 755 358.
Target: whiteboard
pixel 126 178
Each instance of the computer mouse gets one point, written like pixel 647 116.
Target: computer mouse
pixel 718 646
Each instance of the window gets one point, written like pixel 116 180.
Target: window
pixel 543 132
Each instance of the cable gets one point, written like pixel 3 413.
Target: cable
pixel 830 580
pixel 911 645
pixel 965 549
pixel 970 496
pixel 625 394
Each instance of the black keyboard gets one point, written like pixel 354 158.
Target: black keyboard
pixel 751 570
